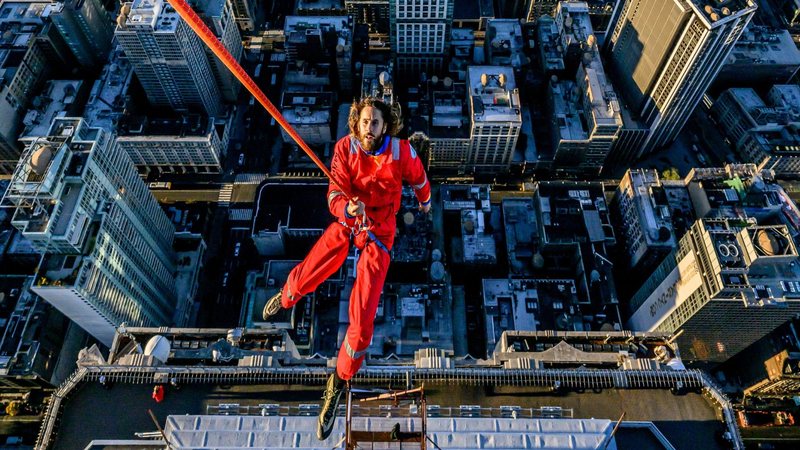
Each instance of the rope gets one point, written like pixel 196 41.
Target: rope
pixel 193 20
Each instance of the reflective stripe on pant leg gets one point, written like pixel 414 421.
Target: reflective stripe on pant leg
pixel 322 261
pixel 372 267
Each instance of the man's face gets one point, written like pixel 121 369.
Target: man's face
pixel 371 128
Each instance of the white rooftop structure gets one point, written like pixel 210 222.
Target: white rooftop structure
pixel 276 432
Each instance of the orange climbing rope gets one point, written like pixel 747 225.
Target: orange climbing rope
pixel 193 20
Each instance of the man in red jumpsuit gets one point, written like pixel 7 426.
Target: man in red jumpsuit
pixel 371 164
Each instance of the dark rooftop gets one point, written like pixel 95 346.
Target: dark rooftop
pixel 276 197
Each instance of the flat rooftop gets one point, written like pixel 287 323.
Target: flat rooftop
pixel 688 421
pixel 493 95
pixel 298 205
pixel 763 45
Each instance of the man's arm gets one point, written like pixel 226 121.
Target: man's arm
pixel 337 200
pixel 414 174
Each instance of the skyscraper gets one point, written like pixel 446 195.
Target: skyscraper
pixel 495 118
pixel 168 57
pixel 218 15
pixel 106 244
pixel 665 54
pixel 86 27
pixel 420 33
pixel 727 284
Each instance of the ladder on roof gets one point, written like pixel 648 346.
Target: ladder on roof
pixel 355 437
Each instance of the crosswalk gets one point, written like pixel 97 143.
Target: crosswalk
pixel 225 195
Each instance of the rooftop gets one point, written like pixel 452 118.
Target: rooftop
pixel 457 197
pixel 107 97
pixel 155 14
pixel 550 47
pixel 522 235
pixel 478 245
pixel 58 97
pixel 184 126
pixel 219 388
pixel 504 42
pixel 652 208
pixel 763 45
pixel 473 10
pixel 273 208
pixel 493 95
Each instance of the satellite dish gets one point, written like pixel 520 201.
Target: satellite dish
pixel 158 347
pixel 436 254
pixel 448 81
pixel 434 79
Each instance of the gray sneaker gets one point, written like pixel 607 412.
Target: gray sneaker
pixel 327 416
pixel 272 307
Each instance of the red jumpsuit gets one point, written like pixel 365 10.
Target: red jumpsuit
pixel 377 181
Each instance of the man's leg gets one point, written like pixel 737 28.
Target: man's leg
pixel 371 273
pixel 322 261
pixel 372 267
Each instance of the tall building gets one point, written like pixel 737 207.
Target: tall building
pixel 87 28
pixel 495 118
pixel 243 13
pixel 644 218
pixel 169 59
pixel 539 8
pixel 28 51
pixel 586 111
pixel 726 285
pixel 665 54
pixel 218 15
pixel 106 243
pixel 420 34
pixel 375 15
pixel 764 133
pixel 190 144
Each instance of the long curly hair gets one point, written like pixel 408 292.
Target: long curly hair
pixel 392 119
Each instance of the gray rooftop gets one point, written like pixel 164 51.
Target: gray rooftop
pixel 496 100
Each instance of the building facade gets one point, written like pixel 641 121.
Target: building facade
pixel 87 29
pixel 195 144
pixel 665 54
pixel 495 118
pixel 727 284
pixel 106 245
pixel 420 34
pixel 169 59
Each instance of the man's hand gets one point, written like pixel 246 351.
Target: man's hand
pixel 355 207
pixel 425 208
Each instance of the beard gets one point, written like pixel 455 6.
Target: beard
pixel 373 144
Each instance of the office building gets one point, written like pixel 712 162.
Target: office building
pixel 727 284
pixel 218 16
pixel 107 98
pixel 188 144
pixel 28 51
pixel 495 118
pixel 420 35
pixel 586 111
pixel 244 12
pixel 448 130
pixel 762 56
pixel 644 216
pixel 540 8
pixel 322 43
pixel 169 59
pixel 504 43
pixel 374 14
pixel 106 245
pixel 762 132
pixel 665 55
pixel 87 29
pixel 229 388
